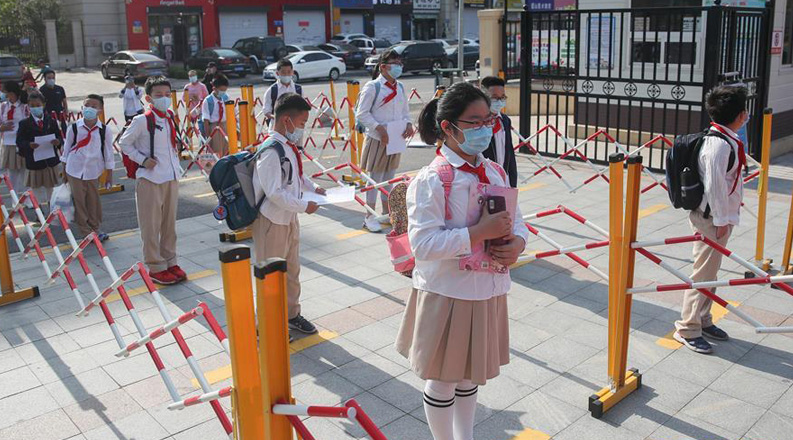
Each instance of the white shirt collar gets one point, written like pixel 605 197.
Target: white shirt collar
pixel 727 130
pixel 81 123
pixel 278 137
pixel 455 160
pixel 383 79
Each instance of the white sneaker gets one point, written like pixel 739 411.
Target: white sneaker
pixel 372 224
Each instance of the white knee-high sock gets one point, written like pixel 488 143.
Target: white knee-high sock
pixel 464 410
pixel 439 408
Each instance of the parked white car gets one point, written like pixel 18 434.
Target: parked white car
pixel 371 46
pixel 345 38
pixel 310 65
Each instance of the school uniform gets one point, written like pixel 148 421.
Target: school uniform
pixel 276 230
pixel 157 189
pixel 722 198
pixel 455 327
pixel 131 100
pixel 280 89
pixel 84 164
pixel 43 173
pixel 389 105
pixel 501 151
pixel 216 117
pixel 10 160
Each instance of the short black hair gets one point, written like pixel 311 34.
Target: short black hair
pixel 283 62
pixel 154 81
pixel 490 81
pixel 12 87
pixel 37 95
pixel 726 103
pixel 449 107
pixel 384 58
pixel 290 104
pixel 47 71
pixel 97 97
pixel 220 80
pixel 211 64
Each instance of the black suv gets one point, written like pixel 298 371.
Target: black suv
pixel 261 50
pixel 417 56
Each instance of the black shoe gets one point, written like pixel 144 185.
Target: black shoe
pixel 302 325
pixel 291 339
pixel 698 345
pixel 715 333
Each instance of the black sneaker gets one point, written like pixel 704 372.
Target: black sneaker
pixel 715 333
pixel 302 325
pixel 699 345
pixel 291 339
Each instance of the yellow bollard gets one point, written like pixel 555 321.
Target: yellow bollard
pixel 252 115
pixel 353 88
pixel 615 242
pixel 103 188
pixel 231 127
pixel 8 295
pixel 175 105
pixel 333 105
pixel 621 381
pixel 244 120
pixel 439 91
pixel 271 308
pixel 248 407
pixel 762 191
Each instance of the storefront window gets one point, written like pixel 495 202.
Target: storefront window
pixel 175 37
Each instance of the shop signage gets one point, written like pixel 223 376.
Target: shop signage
pixel 776 42
pixel 479 4
pixel 137 27
pixel 737 3
pixel 426 5
pixel 303 23
pixel 541 5
pixel 278 22
pixel 391 2
pixel 171 2
pixel 352 4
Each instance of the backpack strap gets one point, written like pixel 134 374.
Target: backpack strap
pixel 730 162
pixel 377 87
pixel 445 171
pixel 74 134
pixel 299 89
pixel 279 149
pixel 102 132
pixel 150 125
pixel 500 170
pixel 273 94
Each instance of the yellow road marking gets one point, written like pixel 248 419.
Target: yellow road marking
pixel 351 234
pixel 201 196
pixel 531 434
pixel 718 312
pixel 532 186
pixel 523 263
pixel 299 345
pixel 651 210
pixel 138 290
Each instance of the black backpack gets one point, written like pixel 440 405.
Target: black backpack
pixel 682 170
pixel 274 93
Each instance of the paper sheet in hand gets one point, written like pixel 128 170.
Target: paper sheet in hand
pixel 45 149
pixel 396 143
pixel 332 197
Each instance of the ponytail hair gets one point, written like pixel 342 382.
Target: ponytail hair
pixel 385 57
pixel 448 107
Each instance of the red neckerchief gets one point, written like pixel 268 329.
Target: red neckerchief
pixel 10 115
pixel 220 110
pixel 741 154
pixel 170 124
pixel 392 95
pixel 497 127
pixel 480 172
pixel 298 156
pixel 40 123
pixel 87 139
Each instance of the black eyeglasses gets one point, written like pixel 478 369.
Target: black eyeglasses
pixel 489 122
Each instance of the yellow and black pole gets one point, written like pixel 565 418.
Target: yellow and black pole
pixel 244 120
pixel 8 295
pixel 621 381
pixel 103 178
pixel 762 191
pixel 356 139
pixel 251 115
pixel 615 242
pixel 248 408
pixel 271 306
pixel 335 115
pixel 785 266
pixel 231 127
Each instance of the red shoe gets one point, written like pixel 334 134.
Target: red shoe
pixel 166 278
pixel 178 272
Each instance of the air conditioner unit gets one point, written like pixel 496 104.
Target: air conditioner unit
pixel 109 47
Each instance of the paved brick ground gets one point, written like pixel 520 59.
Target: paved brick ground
pixel 59 378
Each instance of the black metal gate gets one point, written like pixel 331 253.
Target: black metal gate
pixel 28 46
pixel 637 73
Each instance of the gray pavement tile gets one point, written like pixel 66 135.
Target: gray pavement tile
pixel 140 426
pixel 55 425
pixel 644 352
pixel 178 421
pixel 764 391
pixel 374 336
pixel 151 392
pixel 94 334
pixel 590 334
pixel 684 427
pixel 529 370
pixel 381 413
pixel 578 306
pixel 523 337
pixel 784 405
pixel 336 352
pixel 404 391
pixel 572 389
pixel 763 363
pixel 19 317
pixel 773 301
pixel 344 320
pixel 369 371
pixel 325 429
pixel 44 349
pixel 551 321
pixel 200 346
pixel 304 368
pixel 772 426
pixel 692 367
pixel 542 412
pixel 17 381
pixel 719 409
pixel 9 360
pixel 407 427
pixel 380 308
pixel 317 307
pixel 25 406
pixel 562 351
pixel 102 409
pixel 326 389
pixel 499 393
pixel 81 386
pixel 131 370
pixel 588 427
pixel 209 430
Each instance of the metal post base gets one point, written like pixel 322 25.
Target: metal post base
pixel 235 236
pixel 113 189
pixel 19 295
pixel 605 399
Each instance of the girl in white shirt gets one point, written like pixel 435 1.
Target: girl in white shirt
pixel 455 330
pixel 382 102
pixel 12 112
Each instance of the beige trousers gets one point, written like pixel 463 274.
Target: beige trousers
pixel 218 143
pixel 696 307
pixel 87 207
pixel 271 240
pixel 157 220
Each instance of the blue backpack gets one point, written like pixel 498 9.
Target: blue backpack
pixel 232 180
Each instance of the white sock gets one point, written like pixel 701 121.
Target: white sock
pixel 464 410
pixel 439 408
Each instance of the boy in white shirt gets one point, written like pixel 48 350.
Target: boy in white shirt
pixel 213 113
pixel 721 159
pixel 279 176
pixel 284 83
pixel 131 95
pixel 87 153
pixel 157 180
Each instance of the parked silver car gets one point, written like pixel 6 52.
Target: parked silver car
pixel 11 69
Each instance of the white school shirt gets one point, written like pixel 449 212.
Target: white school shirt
pixel 135 144
pixel 215 114
pixel 714 156
pixel 283 201
pixel 395 110
pixel 438 244
pixel 131 100
pixel 21 112
pixel 267 101
pixel 87 163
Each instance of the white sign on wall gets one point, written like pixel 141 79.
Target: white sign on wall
pixel 426 5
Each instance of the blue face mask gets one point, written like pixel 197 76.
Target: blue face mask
pixel 395 70
pixel 223 96
pixel 476 139
pixel 286 80
pixel 2 97
pixel 37 112
pixel 162 104
pixel 296 136
pixel 90 113
pixel 497 105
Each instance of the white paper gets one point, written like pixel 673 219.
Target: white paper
pixel 45 149
pixel 10 138
pixel 333 196
pixel 396 143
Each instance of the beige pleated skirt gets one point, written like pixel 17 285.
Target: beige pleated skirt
pixel 451 340
pixel 49 177
pixel 375 159
pixel 10 160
